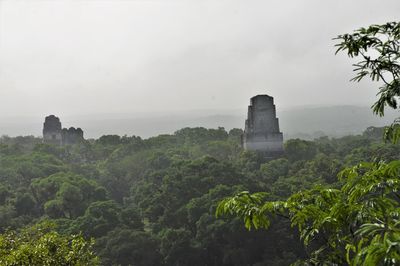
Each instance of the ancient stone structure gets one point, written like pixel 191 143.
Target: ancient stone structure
pixel 71 135
pixel 52 130
pixel 262 127
pixel 54 134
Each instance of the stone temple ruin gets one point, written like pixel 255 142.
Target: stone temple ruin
pixel 262 127
pixel 54 134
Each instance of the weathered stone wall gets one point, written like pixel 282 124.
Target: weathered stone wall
pixel 262 126
pixel 72 135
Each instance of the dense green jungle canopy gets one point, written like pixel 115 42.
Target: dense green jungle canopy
pixel 152 201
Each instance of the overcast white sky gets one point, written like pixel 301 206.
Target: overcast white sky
pixel 73 56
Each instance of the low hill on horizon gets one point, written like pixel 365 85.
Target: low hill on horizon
pixel 300 122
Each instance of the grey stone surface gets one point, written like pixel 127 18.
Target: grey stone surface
pixel 53 134
pixel 262 127
pixel 52 130
pixel 72 135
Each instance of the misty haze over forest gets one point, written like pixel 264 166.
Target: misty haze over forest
pixel 305 122
pixel 82 59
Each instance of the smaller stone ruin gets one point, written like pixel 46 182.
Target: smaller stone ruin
pixel 53 133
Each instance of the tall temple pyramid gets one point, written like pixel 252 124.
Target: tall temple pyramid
pixel 262 127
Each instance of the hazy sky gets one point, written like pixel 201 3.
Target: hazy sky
pixel 68 56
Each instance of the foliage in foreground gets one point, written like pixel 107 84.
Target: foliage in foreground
pixel 379 49
pixel 356 224
pixel 41 245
